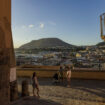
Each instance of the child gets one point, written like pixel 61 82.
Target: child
pixel 68 75
pixel 35 85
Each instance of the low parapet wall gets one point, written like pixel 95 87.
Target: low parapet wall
pixel 40 67
pixel 77 74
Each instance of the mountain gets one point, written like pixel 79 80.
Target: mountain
pixel 101 44
pixel 45 43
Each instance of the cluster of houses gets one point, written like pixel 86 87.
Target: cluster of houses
pixel 91 57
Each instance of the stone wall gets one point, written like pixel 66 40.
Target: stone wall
pixel 76 74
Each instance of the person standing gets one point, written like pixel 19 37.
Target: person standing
pixel 35 85
pixel 61 77
pixel 68 75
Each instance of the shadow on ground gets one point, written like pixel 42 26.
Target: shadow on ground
pixel 80 90
pixel 34 101
pixel 96 87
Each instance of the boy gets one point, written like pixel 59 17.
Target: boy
pixel 68 75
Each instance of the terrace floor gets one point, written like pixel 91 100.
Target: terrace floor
pixel 81 92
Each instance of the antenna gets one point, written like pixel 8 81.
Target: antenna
pixel 102 26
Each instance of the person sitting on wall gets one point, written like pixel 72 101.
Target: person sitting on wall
pixel 56 78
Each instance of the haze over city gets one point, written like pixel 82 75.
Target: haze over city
pixel 74 21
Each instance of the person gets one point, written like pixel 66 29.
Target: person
pixel 35 85
pixel 56 78
pixel 99 65
pixel 61 77
pixel 68 75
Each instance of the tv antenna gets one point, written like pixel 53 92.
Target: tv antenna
pixel 102 26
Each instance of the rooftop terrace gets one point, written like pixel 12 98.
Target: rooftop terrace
pixel 81 92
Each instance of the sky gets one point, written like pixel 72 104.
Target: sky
pixel 76 22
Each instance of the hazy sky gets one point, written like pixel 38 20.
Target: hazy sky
pixel 74 21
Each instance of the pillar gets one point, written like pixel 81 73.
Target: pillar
pixel 7 58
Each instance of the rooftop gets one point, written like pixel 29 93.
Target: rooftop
pixel 84 92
